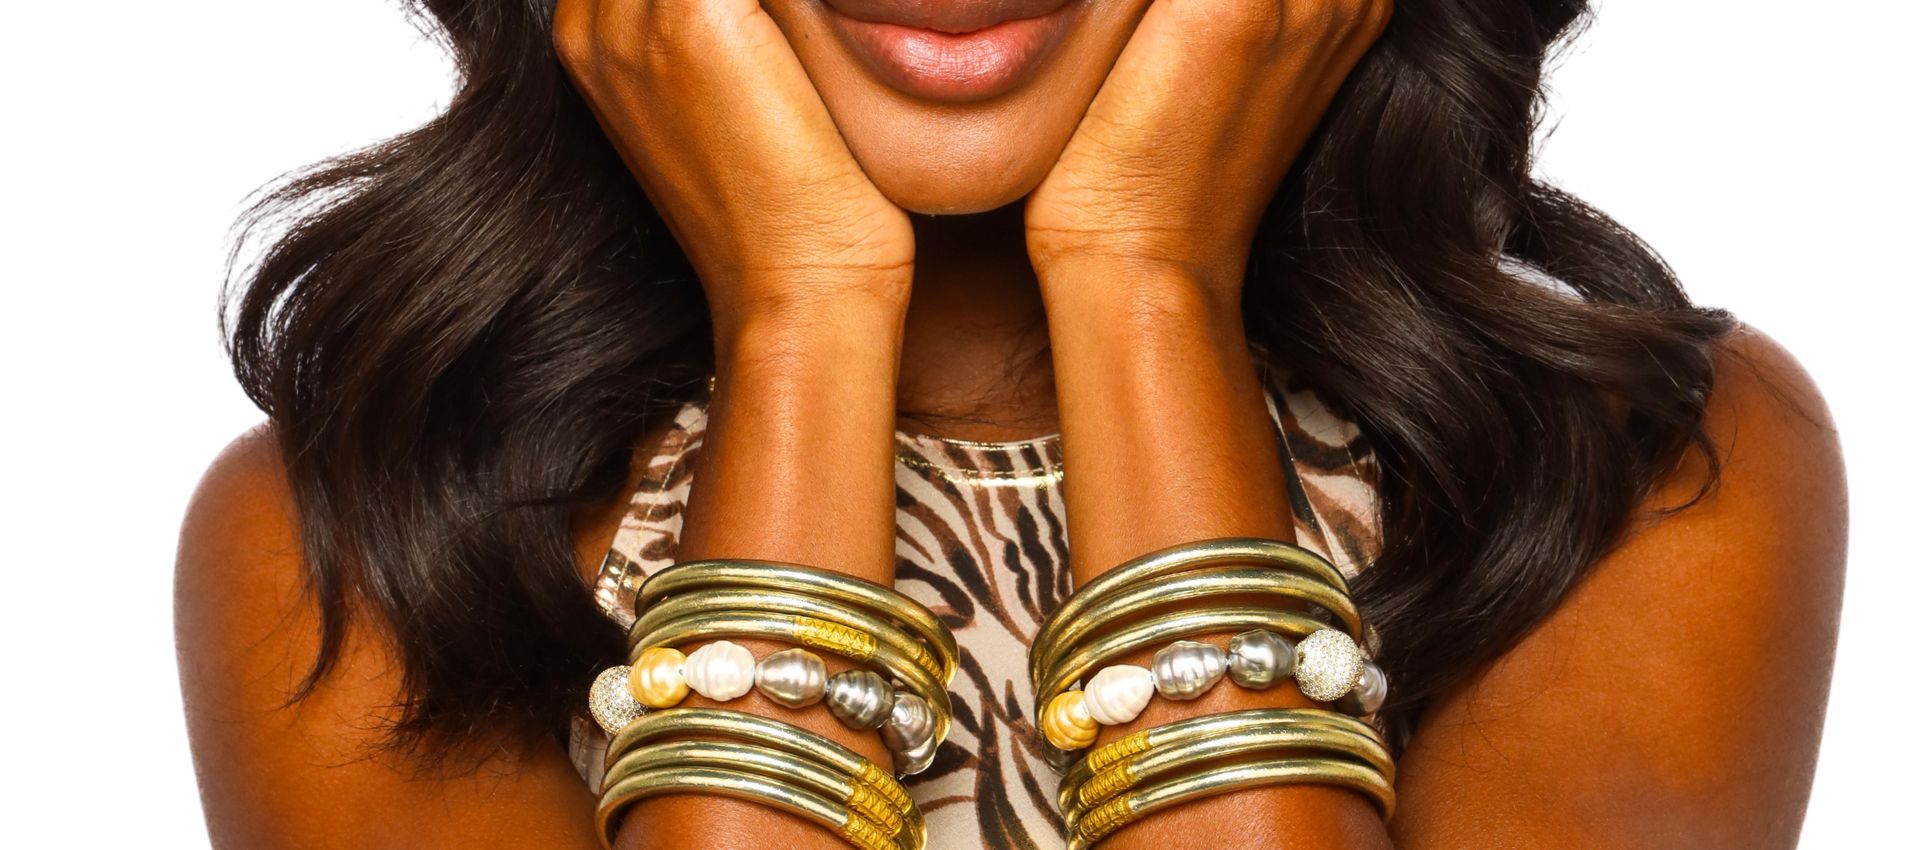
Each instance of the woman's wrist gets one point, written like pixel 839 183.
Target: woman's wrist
pixel 797 460
pixel 1156 383
pixel 1094 284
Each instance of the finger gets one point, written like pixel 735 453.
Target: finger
pixel 729 59
pixel 1212 78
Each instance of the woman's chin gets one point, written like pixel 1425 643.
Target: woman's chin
pixel 954 188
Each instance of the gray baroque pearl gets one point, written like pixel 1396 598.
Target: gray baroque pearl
pixel 794 677
pixel 910 726
pixel 860 698
pixel 1259 659
pixel 1368 694
pixel 910 762
pixel 1185 669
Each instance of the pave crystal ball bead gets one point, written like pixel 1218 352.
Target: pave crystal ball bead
pixel 720 671
pixel 1066 722
pixel 1327 665
pixel 1258 659
pixel 861 699
pixel 1119 693
pixel 659 678
pixel 611 702
pixel 1185 669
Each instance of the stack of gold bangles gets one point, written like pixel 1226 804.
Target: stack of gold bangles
pixel 1290 616
pixel 903 656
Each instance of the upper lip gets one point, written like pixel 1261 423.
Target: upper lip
pixel 949 16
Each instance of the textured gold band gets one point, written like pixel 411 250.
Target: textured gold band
pixel 1212 725
pixel 764 761
pixel 1179 558
pixel 777 794
pixel 737 573
pixel 765 731
pixel 1299 739
pixel 792 602
pixel 1133 805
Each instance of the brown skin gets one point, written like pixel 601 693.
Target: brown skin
pixel 1631 718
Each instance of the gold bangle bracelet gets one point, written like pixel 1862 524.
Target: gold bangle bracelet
pixel 806 631
pixel 765 731
pixel 1186 587
pixel 1133 805
pixel 772 764
pixel 1281 738
pixel 787 602
pixel 1186 556
pixel 1159 629
pixel 857 830
pixel 1210 725
pixel 775 575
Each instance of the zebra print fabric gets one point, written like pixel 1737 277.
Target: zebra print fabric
pixel 982 540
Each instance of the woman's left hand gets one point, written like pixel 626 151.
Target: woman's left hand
pixel 1190 136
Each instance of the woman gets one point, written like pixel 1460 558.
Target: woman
pixel 1250 268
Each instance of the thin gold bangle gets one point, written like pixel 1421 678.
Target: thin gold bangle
pixel 776 575
pixel 1186 556
pixel 1187 587
pixel 1208 725
pixel 857 830
pixel 1277 738
pixel 787 602
pixel 1166 627
pixel 766 731
pixel 1133 805
pixel 806 631
pixel 772 764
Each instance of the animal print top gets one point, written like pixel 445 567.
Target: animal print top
pixel 982 541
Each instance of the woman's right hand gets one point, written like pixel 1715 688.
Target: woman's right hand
pixel 713 114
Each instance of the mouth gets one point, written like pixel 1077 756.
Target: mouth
pixel 951 50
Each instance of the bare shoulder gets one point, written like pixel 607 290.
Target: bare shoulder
pixel 1675 697
pixel 311 773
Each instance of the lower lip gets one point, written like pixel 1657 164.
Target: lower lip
pixel 954 67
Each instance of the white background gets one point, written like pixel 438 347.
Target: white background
pixel 1765 148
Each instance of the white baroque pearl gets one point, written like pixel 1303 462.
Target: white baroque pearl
pixel 720 671
pixel 1119 693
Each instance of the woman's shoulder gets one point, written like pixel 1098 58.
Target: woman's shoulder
pixel 246 632
pixel 1652 672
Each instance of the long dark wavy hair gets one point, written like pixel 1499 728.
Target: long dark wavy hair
pixel 461 333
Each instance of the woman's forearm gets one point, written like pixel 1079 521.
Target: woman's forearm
pixel 797 465
pixel 1167 439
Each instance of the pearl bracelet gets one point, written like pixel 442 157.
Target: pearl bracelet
pixel 1328 666
pixel 661 677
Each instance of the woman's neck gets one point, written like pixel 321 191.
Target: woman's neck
pixel 974 362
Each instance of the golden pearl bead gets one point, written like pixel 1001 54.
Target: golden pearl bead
pixel 1067 723
pixel 658 679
